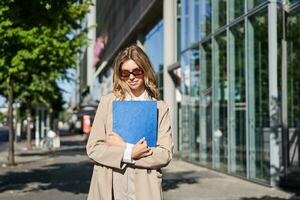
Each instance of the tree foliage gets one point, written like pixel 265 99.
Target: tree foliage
pixel 39 41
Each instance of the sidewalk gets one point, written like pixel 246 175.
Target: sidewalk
pixel 65 174
pixel 21 154
pixel 187 181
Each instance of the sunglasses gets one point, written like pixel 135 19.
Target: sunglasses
pixel 138 73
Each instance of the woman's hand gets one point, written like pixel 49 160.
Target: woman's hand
pixel 141 149
pixel 114 139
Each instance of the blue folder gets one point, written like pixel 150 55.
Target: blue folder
pixel 133 120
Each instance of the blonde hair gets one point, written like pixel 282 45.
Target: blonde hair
pixel 135 53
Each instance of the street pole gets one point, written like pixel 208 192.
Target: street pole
pixel 11 158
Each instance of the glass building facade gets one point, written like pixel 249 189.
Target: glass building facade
pixel 240 106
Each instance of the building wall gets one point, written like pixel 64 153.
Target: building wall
pixel 121 22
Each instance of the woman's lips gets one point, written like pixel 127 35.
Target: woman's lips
pixel 132 83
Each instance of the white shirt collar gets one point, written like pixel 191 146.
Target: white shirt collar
pixel 143 96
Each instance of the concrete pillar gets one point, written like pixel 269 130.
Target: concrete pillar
pixel 275 139
pixel 91 17
pixel 170 50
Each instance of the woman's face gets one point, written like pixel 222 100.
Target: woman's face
pixel 133 75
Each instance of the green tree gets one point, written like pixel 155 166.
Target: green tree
pixel 2 117
pixel 39 41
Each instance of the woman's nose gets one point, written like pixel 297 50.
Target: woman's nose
pixel 131 76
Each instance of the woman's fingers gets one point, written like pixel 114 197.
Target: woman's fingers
pixel 146 153
pixel 141 149
pixel 141 140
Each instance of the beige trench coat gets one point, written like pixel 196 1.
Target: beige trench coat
pixel 148 177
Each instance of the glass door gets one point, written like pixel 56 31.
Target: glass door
pixel 237 102
pixel 258 97
pixel 206 104
pixel 220 104
pixel 291 94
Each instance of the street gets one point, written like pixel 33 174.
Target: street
pixel 65 175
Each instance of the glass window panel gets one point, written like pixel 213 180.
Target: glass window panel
pixel 294 1
pixel 186 117
pixel 185 73
pixel 185 22
pixel 254 3
pixel 259 97
pixel 206 105
pixel 195 89
pixel 293 85
pixel 195 28
pixel 206 65
pixel 195 73
pixel 178 29
pixel 189 135
pixel 186 127
pixel 220 13
pixel 293 40
pixel 221 102
pixel 236 8
pixel 205 18
pixel 238 142
pixel 190 24
pixel 154 48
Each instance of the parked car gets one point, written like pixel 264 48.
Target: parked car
pixel 3 134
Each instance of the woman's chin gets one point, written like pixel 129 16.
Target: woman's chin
pixel 134 88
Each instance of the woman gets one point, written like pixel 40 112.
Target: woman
pixel 122 170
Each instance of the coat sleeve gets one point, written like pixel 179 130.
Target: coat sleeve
pixel 97 149
pixel 162 153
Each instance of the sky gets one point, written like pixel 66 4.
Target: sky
pixel 69 88
pixel 2 101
